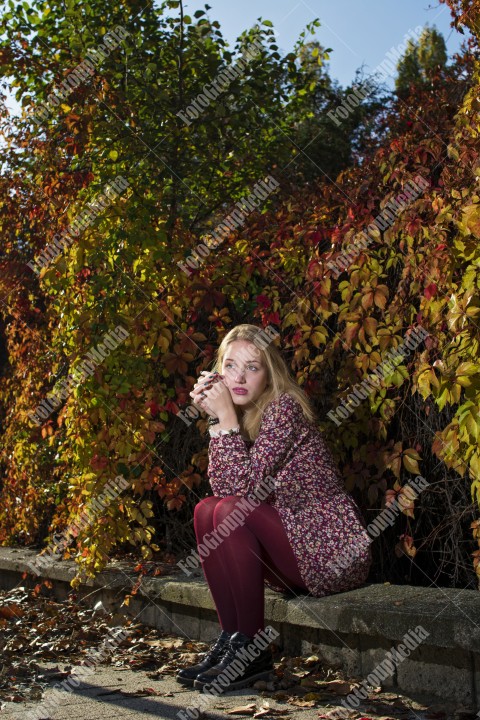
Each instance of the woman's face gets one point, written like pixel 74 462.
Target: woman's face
pixel 243 369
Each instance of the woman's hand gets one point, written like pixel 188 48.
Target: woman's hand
pixel 204 381
pixel 212 395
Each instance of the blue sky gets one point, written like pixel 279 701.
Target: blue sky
pixel 358 31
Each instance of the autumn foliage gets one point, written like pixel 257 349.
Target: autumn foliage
pixel 420 270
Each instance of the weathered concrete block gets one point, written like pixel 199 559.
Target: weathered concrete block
pixel 186 623
pixel 144 613
pixel 209 625
pixel 338 650
pixel 303 611
pixel 476 681
pixel 275 609
pixel 152 615
pixel 188 592
pixel 289 639
pixel 429 670
pixel 373 652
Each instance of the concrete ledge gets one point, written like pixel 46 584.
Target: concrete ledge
pixel 352 630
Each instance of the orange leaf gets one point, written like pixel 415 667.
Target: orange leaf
pixel 11 611
pixel 380 298
pixel 405 546
pixel 367 299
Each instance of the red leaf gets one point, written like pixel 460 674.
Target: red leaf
pixel 263 300
pixel 430 291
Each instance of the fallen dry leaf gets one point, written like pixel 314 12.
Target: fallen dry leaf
pixel 341 687
pixel 302 703
pixel 312 696
pixel 10 611
pixel 265 709
pixel 281 695
pixel 310 682
pixel 334 713
pixel 144 692
pixel 243 710
pixel 166 644
pixel 41 629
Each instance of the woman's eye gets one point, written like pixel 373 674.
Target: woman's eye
pixel 251 367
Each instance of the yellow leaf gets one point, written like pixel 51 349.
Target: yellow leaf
pixel 318 337
pixel 410 461
pixel 472 426
pixel 475 472
pixel 452 152
pixel 471 218
pixel 463 373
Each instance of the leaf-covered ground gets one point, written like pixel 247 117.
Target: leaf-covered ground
pixel 37 631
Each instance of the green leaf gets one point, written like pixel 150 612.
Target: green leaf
pixel 122 469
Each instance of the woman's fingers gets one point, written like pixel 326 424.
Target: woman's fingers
pixel 201 388
pixel 210 375
pixel 204 382
pixel 197 391
pixel 207 379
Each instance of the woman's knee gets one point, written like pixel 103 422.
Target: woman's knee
pixel 230 508
pixel 205 507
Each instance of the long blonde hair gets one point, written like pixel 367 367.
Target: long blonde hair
pixel 279 379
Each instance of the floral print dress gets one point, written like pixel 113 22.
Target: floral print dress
pixel 322 521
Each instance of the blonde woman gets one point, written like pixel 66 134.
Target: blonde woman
pixel 279 513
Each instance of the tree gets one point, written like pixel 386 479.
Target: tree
pixel 421 60
pixel 327 140
pixel 126 268
pixel 155 98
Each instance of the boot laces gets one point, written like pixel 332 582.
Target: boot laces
pixel 215 648
pixel 228 654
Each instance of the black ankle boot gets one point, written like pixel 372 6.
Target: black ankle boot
pixel 244 661
pixel 186 676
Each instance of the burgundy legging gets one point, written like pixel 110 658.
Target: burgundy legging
pixel 257 549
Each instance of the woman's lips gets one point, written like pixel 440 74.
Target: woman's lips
pixel 240 391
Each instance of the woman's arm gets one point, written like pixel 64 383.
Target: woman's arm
pixel 234 469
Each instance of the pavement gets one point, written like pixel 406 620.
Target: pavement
pixel 106 695
pixel 123 693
